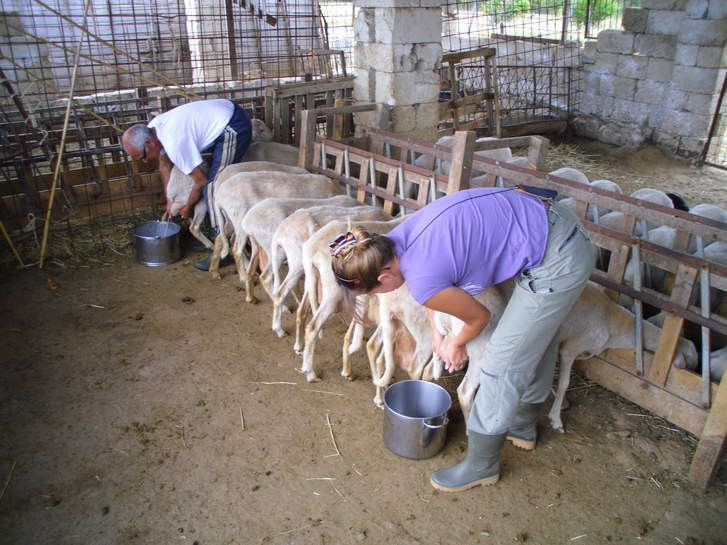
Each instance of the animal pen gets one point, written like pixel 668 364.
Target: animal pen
pixel 76 74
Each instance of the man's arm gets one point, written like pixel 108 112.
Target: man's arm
pixel 462 305
pixel 200 180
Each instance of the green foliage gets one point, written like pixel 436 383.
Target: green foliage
pixel 600 10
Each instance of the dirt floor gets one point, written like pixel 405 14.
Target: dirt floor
pixel 154 406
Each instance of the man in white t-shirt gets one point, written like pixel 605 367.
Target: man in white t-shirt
pixel 178 138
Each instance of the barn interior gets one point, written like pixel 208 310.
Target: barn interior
pixel 154 404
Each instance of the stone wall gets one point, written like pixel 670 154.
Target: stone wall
pixel 397 55
pixel 659 79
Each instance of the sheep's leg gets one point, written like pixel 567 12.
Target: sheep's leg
pixel 300 317
pixel 215 258
pixel 566 364
pixel 380 363
pixel 265 282
pixel 372 349
pixel 387 335
pixel 357 342
pixel 247 277
pixel 278 297
pixel 312 329
pixel 194 228
pixel 345 354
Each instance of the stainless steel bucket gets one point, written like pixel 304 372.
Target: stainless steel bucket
pixel 415 418
pixel 157 243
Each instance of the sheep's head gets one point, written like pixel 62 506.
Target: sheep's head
pixel 260 131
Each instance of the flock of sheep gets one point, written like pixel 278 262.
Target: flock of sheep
pixel 287 216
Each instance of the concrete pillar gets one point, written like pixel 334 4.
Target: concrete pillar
pixel 398 53
pixel 208 43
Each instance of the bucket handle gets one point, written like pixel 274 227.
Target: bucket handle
pixel 445 421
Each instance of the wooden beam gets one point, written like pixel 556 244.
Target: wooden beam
pixel 671 331
pixel 307 139
pixel 707 458
pixel 461 169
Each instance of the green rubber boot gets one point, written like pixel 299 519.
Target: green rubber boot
pixel 481 466
pixel 523 432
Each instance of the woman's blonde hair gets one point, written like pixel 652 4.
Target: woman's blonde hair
pixel 357 258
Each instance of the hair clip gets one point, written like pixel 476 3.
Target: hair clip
pixel 341 242
pixel 347 283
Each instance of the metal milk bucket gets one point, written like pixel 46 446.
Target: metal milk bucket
pixel 415 418
pixel 157 243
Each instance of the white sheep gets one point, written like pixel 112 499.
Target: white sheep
pixel 242 191
pixel 255 166
pixel 287 245
pixel 319 276
pixel 593 325
pixel 260 131
pixel 260 223
pixel 178 189
pixel 272 151
pixel 180 186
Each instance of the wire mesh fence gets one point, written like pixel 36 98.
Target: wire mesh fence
pixel 132 60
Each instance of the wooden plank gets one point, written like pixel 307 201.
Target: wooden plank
pixel 711 445
pixel 307 139
pixel 338 122
pixel 363 178
pixel 671 331
pixel 391 183
pixel 650 397
pixel 459 56
pixel 461 169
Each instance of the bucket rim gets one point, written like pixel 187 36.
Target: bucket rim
pixel 418 418
pixel 173 230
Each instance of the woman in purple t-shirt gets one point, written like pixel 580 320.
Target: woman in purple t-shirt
pixel 453 249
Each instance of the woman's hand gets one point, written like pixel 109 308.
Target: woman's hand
pixel 454 355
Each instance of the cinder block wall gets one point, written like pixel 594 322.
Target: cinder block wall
pixel 659 79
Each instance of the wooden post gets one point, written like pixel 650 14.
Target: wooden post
pixel 711 445
pixel 672 328
pixel 536 151
pixel 338 120
pixel 307 138
pixel 232 50
pixel 459 172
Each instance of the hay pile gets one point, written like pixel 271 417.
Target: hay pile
pixel 76 243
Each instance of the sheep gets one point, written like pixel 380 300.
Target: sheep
pixel 318 272
pixel 260 222
pixel 239 193
pixel 178 189
pixel 180 186
pixel 594 324
pixel 654 196
pixel 287 244
pixel 594 212
pixel 710 211
pixel 260 131
pixel 573 175
pixel 404 334
pixel 272 151
pixel 255 166
pixel 718 362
